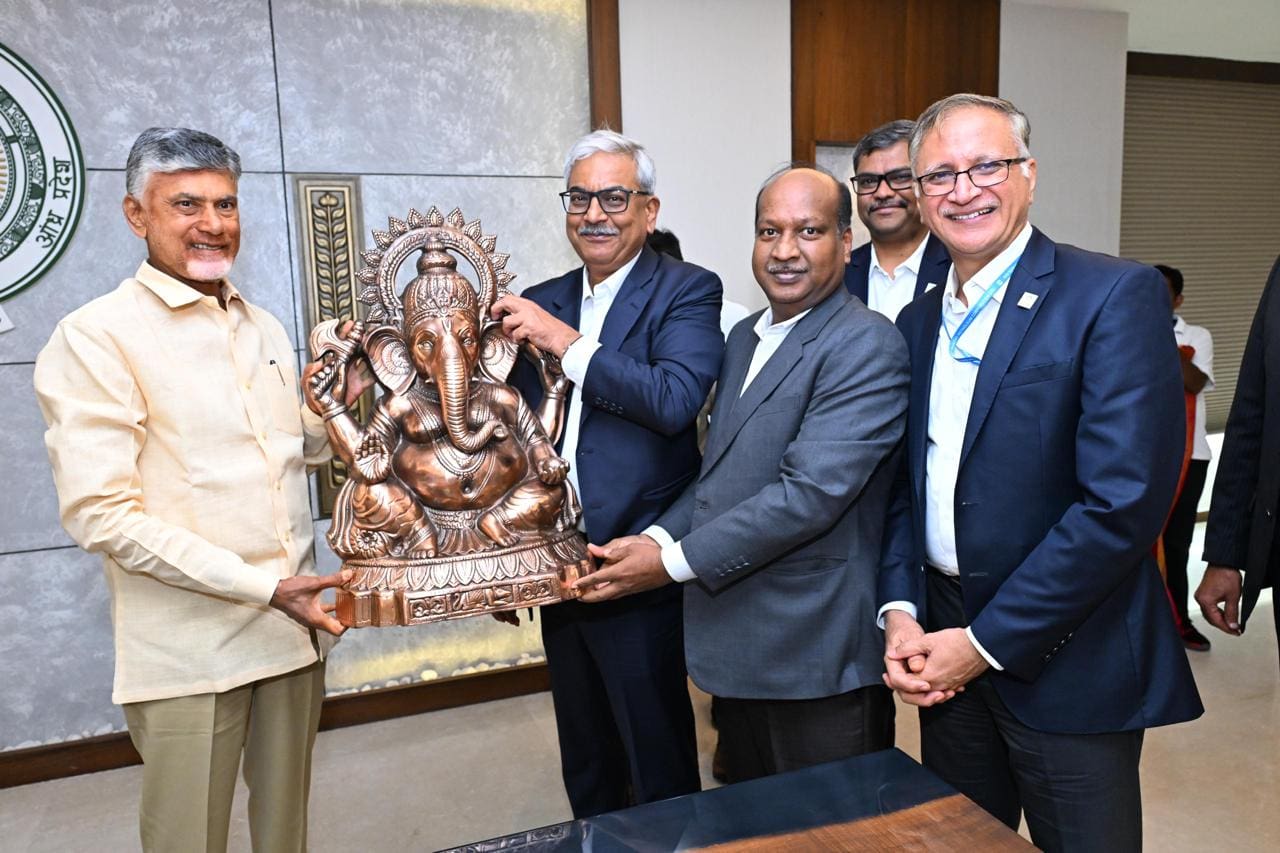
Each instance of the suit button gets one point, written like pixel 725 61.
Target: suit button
pixel 701 504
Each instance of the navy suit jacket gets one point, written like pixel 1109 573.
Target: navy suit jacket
pixel 1246 492
pixel 660 352
pixel 934 266
pixel 1068 467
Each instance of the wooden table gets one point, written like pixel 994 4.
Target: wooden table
pixel 881 801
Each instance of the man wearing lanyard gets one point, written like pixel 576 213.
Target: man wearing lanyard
pixel 1022 610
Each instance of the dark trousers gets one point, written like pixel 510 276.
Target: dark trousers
pixel 760 737
pixel 1079 792
pixel 621 697
pixel 1178 533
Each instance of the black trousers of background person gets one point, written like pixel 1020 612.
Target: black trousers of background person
pixel 1079 792
pixel 1177 536
pixel 760 737
pixel 621 696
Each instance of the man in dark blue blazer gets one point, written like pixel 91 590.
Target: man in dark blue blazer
pixel 1241 535
pixel 902 259
pixel 1044 434
pixel 639 335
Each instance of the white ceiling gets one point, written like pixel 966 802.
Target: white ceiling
pixel 1229 29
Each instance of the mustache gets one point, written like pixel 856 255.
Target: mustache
pixel 600 230
pixel 893 202
pixel 783 269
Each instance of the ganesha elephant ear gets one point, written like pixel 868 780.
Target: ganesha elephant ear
pixel 497 353
pixel 390 359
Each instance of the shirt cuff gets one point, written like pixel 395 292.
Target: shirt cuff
pixel 905 606
pixel 658 534
pixel 577 358
pixel 676 565
pixel 968 632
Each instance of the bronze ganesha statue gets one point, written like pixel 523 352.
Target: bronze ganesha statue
pixel 456 502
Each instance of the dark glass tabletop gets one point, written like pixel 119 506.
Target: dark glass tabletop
pixel 826 795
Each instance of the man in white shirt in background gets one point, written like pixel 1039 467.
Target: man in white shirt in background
pixel 902 259
pixel 180 449
pixel 1195 346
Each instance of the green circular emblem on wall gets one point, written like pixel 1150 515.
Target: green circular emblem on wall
pixel 41 176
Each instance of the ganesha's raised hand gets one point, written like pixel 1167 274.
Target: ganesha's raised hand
pixel 552 470
pixel 373 458
pixel 318 381
pixel 550 373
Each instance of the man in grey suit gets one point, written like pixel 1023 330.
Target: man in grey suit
pixel 777 541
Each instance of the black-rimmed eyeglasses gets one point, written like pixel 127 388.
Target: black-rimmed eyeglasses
pixel 868 182
pixel 980 175
pixel 612 199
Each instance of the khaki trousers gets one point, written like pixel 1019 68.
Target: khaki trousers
pixel 191 747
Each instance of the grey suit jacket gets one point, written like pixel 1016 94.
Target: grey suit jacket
pixel 784 521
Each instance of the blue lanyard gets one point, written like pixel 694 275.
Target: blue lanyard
pixel 953 341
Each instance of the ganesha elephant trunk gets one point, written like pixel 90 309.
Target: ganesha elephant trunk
pixel 455 397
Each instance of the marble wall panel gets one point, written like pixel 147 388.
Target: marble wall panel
pixel 104 251
pixel 30 519
pixel 436 86
pixel 56 655
pixel 120 66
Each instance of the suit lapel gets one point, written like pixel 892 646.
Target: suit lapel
pixel 922 345
pixel 632 296
pixel 1034 274
pixel 772 373
pixel 934 266
pixel 856 274
pixel 566 298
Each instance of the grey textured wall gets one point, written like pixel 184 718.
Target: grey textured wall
pixel 431 102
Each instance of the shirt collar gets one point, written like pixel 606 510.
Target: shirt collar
pixel 983 278
pixel 765 325
pixel 609 287
pixel 174 293
pixel 912 263
pixel 1179 324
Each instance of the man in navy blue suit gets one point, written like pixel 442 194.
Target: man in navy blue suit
pixel 902 259
pixel 1023 610
pixel 639 335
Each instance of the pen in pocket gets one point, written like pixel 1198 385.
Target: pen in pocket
pixel 279 372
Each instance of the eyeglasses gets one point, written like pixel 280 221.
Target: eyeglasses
pixel 980 175
pixel 869 182
pixel 612 199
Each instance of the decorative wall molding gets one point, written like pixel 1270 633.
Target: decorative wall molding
pixel 330 229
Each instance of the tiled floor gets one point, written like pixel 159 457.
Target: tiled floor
pixel 434 780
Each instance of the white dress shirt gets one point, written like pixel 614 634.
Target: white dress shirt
pixel 577 358
pixel 950 395
pixel 1199 338
pixel 889 294
pixel 771 336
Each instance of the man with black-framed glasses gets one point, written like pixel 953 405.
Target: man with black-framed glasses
pixel 1022 607
pixel 902 260
pixel 638 333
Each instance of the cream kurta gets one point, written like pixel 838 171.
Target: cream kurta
pixel 180 451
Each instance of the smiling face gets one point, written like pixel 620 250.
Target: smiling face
pixel 607 241
pixel 890 215
pixel 975 223
pixel 800 250
pixel 191 222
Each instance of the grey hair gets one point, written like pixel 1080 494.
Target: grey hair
pixel 844 200
pixel 176 149
pixel 1019 125
pixel 884 136
pixel 606 141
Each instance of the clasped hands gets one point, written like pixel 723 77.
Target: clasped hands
pixel 629 564
pixel 927 669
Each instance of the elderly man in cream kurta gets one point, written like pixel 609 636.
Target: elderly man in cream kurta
pixel 180 451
